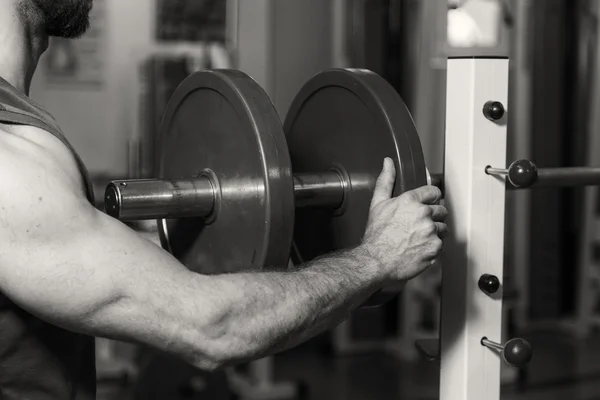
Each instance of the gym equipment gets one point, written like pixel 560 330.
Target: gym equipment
pixel 224 161
pixel 474 139
pixel 349 120
pixel 516 352
pixel 221 134
pixel 494 110
pixel 523 174
pixel 489 284
pixel 225 165
pixel 477 81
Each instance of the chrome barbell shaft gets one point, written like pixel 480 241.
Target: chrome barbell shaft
pixel 146 199
pixel 326 190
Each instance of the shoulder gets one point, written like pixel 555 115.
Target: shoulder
pixel 39 177
pixel 28 150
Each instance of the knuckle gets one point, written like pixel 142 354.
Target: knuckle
pixel 410 196
pixel 437 245
pixel 436 191
pixel 424 212
pixel 430 228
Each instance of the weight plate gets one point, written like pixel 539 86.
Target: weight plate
pixel 222 124
pixel 350 120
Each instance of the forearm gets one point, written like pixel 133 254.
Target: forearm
pixel 213 321
pixel 263 313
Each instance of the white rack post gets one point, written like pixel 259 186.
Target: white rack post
pixel 476 201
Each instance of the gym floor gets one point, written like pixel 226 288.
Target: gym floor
pixel 562 368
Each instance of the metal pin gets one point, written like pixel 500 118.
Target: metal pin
pixel 491 345
pixel 496 171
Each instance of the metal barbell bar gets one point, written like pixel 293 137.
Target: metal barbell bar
pixel 146 199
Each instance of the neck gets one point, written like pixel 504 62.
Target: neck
pixel 22 43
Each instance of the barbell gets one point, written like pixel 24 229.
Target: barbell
pixel 226 199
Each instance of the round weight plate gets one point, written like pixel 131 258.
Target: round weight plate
pixel 223 125
pixel 350 120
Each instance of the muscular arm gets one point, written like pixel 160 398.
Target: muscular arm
pixel 75 267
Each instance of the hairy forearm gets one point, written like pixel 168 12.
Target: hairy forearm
pixel 263 313
pixel 214 321
pixel 211 321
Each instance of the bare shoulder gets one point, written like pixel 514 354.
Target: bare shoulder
pixel 39 175
pixel 31 150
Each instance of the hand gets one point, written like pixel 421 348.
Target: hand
pixel 405 233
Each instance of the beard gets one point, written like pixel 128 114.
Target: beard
pixel 65 18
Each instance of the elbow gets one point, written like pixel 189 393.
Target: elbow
pixel 210 332
pixel 212 359
pixel 221 346
pixel 208 363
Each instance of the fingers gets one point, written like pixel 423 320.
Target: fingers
pixel 384 187
pixel 438 213
pixel 441 229
pixel 427 194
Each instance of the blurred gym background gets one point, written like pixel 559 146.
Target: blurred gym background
pixel 109 89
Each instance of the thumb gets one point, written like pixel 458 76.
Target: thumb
pixel 385 183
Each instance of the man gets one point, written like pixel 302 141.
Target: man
pixel 69 272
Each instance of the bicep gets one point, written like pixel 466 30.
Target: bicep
pixel 67 263
pixel 66 272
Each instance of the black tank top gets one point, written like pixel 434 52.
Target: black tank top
pixel 39 361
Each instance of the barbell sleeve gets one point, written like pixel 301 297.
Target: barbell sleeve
pixel 143 199
pixel 146 199
pixel 523 174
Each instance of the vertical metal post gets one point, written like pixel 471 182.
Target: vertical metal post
pixel 519 147
pixel 475 247
pixel 588 293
